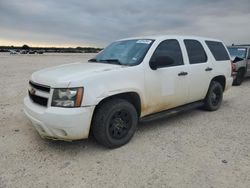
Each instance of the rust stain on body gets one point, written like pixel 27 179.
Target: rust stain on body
pixel 154 108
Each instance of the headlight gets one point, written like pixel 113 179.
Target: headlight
pixel 70 97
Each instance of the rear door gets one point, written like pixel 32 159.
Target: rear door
pixel 200 70
pixel 220 58
pixel 166 87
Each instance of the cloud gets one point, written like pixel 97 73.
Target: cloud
pixel 96 22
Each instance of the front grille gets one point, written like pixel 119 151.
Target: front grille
pixel 40 87
pixel 39 100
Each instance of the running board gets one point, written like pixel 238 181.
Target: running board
pixel 170 112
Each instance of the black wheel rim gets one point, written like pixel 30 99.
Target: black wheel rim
pixel 120 124
pixel 216 96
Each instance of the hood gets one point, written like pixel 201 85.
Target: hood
pixel 63 75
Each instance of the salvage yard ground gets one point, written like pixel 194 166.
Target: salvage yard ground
pixel 193 149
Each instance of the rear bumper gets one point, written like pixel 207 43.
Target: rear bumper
pixel 234 74
pixel 59 123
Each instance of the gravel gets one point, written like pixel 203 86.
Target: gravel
pixel 192 149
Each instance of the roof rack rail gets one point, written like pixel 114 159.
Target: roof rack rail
pixel 241 45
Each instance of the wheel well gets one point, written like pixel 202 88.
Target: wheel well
pixel 221 79
pixel 131 97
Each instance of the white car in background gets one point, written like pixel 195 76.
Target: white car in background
pixel 132 79
pixel 13 52
pixel 241 60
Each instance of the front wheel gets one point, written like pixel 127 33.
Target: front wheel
pixel 114 123
pixel 214 96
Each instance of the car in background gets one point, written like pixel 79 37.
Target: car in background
pixel 32 52
pixel 40 52
pixel 23 52
pixel 13 52
pixel 240 55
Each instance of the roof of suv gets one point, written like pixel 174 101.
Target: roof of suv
pixel 162 37
pixel 239 46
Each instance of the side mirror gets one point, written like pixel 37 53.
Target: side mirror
pixel 161 61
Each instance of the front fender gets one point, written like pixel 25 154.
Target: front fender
pixel 109 83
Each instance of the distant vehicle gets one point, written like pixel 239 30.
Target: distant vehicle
pixel 23 52
pixel 136 78
pixel 13 52
pixel 40 52
pixel 32 52
pixel 240 55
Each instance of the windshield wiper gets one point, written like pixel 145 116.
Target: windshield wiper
pixel 92 60
pixel 112 61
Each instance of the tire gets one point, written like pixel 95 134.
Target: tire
pixel 239 78
pixel 114 123
pixel 214 96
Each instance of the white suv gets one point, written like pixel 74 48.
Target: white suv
pixel 131 79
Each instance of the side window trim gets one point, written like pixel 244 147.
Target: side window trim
pixel 206 61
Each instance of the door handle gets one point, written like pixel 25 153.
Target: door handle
pixel 182 74
pixel 208 69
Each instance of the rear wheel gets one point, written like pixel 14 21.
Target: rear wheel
pixel 214 96
pixel 239 77
pixel 114 123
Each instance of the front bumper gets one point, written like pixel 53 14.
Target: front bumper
pixel 59 123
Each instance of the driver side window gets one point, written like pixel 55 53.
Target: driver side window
pixel 248 57
pixel 171 49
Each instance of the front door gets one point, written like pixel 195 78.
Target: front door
pixel 167 86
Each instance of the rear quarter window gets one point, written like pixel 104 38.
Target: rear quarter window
pixel 218 50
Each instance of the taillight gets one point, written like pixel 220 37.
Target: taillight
pixel 233 68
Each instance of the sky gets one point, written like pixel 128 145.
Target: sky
pixel 96 23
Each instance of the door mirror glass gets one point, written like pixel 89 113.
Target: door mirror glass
pixel 161 61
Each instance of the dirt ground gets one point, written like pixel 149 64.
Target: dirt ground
pixel 192 149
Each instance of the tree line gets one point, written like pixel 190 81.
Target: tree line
pixel 51 49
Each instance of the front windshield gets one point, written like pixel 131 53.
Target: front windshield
pixel 238 52
pixel 127 52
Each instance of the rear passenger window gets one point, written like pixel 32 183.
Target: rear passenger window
pixel 218 50
pixel 170 48
pixel 196 52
